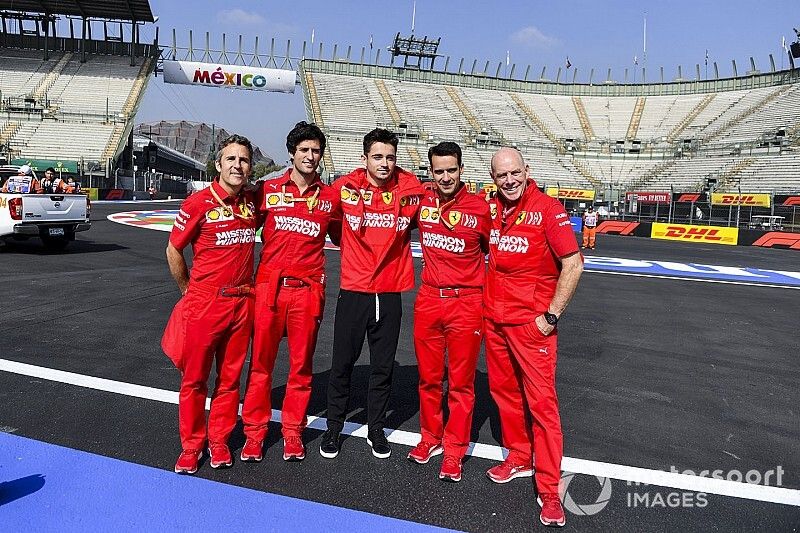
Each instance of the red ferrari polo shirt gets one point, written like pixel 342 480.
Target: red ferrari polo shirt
pixel 454 238
pixel 524 247
pixel 222 232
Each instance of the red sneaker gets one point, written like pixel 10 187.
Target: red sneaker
pixel 508 470
pixel 422 452
pixel 252 451
pixel 451 469
pixel 220 455
pixel 188 461
pixel 293 449
pixel 552 513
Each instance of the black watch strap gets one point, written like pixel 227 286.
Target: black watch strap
pixel 551 318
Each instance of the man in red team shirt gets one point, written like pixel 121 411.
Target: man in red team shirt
pixel 213 319
pixel 378 204
pixel 448 313
pixel 534 268
pixel 290 290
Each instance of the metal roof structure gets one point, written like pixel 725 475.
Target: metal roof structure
pixel 128 10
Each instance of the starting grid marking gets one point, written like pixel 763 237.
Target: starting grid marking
pixel 676 480
pixel 162 220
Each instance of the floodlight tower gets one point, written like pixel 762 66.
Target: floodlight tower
pixel 417 53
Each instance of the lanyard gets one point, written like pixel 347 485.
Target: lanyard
pixel 311 201
pixel 441 209
pixel 244 210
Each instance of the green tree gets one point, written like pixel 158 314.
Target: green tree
pixel 211 169
pixel 260 170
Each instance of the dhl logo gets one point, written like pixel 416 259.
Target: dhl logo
pixel 761 200
pixel 736 199
pixel 684 232
pixel 696 234
pixel 574 194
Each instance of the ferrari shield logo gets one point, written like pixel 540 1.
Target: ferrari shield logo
pixel 387 197
pixel 312 202
pixel 454 217
pixel 520 217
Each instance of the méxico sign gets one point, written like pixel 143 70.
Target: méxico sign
pixel 229 76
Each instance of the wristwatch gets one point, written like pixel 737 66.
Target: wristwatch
pixel 551 318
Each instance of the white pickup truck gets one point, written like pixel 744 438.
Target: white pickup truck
pixel 55 218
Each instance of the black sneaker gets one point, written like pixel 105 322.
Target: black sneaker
pixel 329 447
pixel 379 444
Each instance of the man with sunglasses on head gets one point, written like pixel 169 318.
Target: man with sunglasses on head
pixel 213 320
pixel 534 268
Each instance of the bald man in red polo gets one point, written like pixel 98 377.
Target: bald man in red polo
pixel 534 269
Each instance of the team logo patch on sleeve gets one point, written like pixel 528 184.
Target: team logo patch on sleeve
pixel 529 218
pixel 409 200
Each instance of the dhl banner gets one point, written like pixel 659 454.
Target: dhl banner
pixel 229 76
pixel 91 192
pixel 570 194
pixel 690 233
pixel 749 200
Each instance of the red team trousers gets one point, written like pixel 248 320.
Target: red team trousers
pixel 214 327
pixel 451 324
pixel 296 314
pixel 521 363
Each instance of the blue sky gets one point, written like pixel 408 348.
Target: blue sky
pixel 594 34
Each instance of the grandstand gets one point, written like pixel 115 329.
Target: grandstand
pixel 72 99
pixel 739 133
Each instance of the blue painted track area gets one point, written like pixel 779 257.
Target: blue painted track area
pixel 44 487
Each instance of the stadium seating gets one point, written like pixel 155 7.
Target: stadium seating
pixel 573 141
pixel 64 109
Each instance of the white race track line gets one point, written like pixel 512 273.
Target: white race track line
pixel 634 474
pixel 681 278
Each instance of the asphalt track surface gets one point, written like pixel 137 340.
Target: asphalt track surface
pixel 658 374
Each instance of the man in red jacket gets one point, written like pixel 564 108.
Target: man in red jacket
pixel 290 291
pixel 534 268
pixel 214 318
pixel 448 313
pixel 378 204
